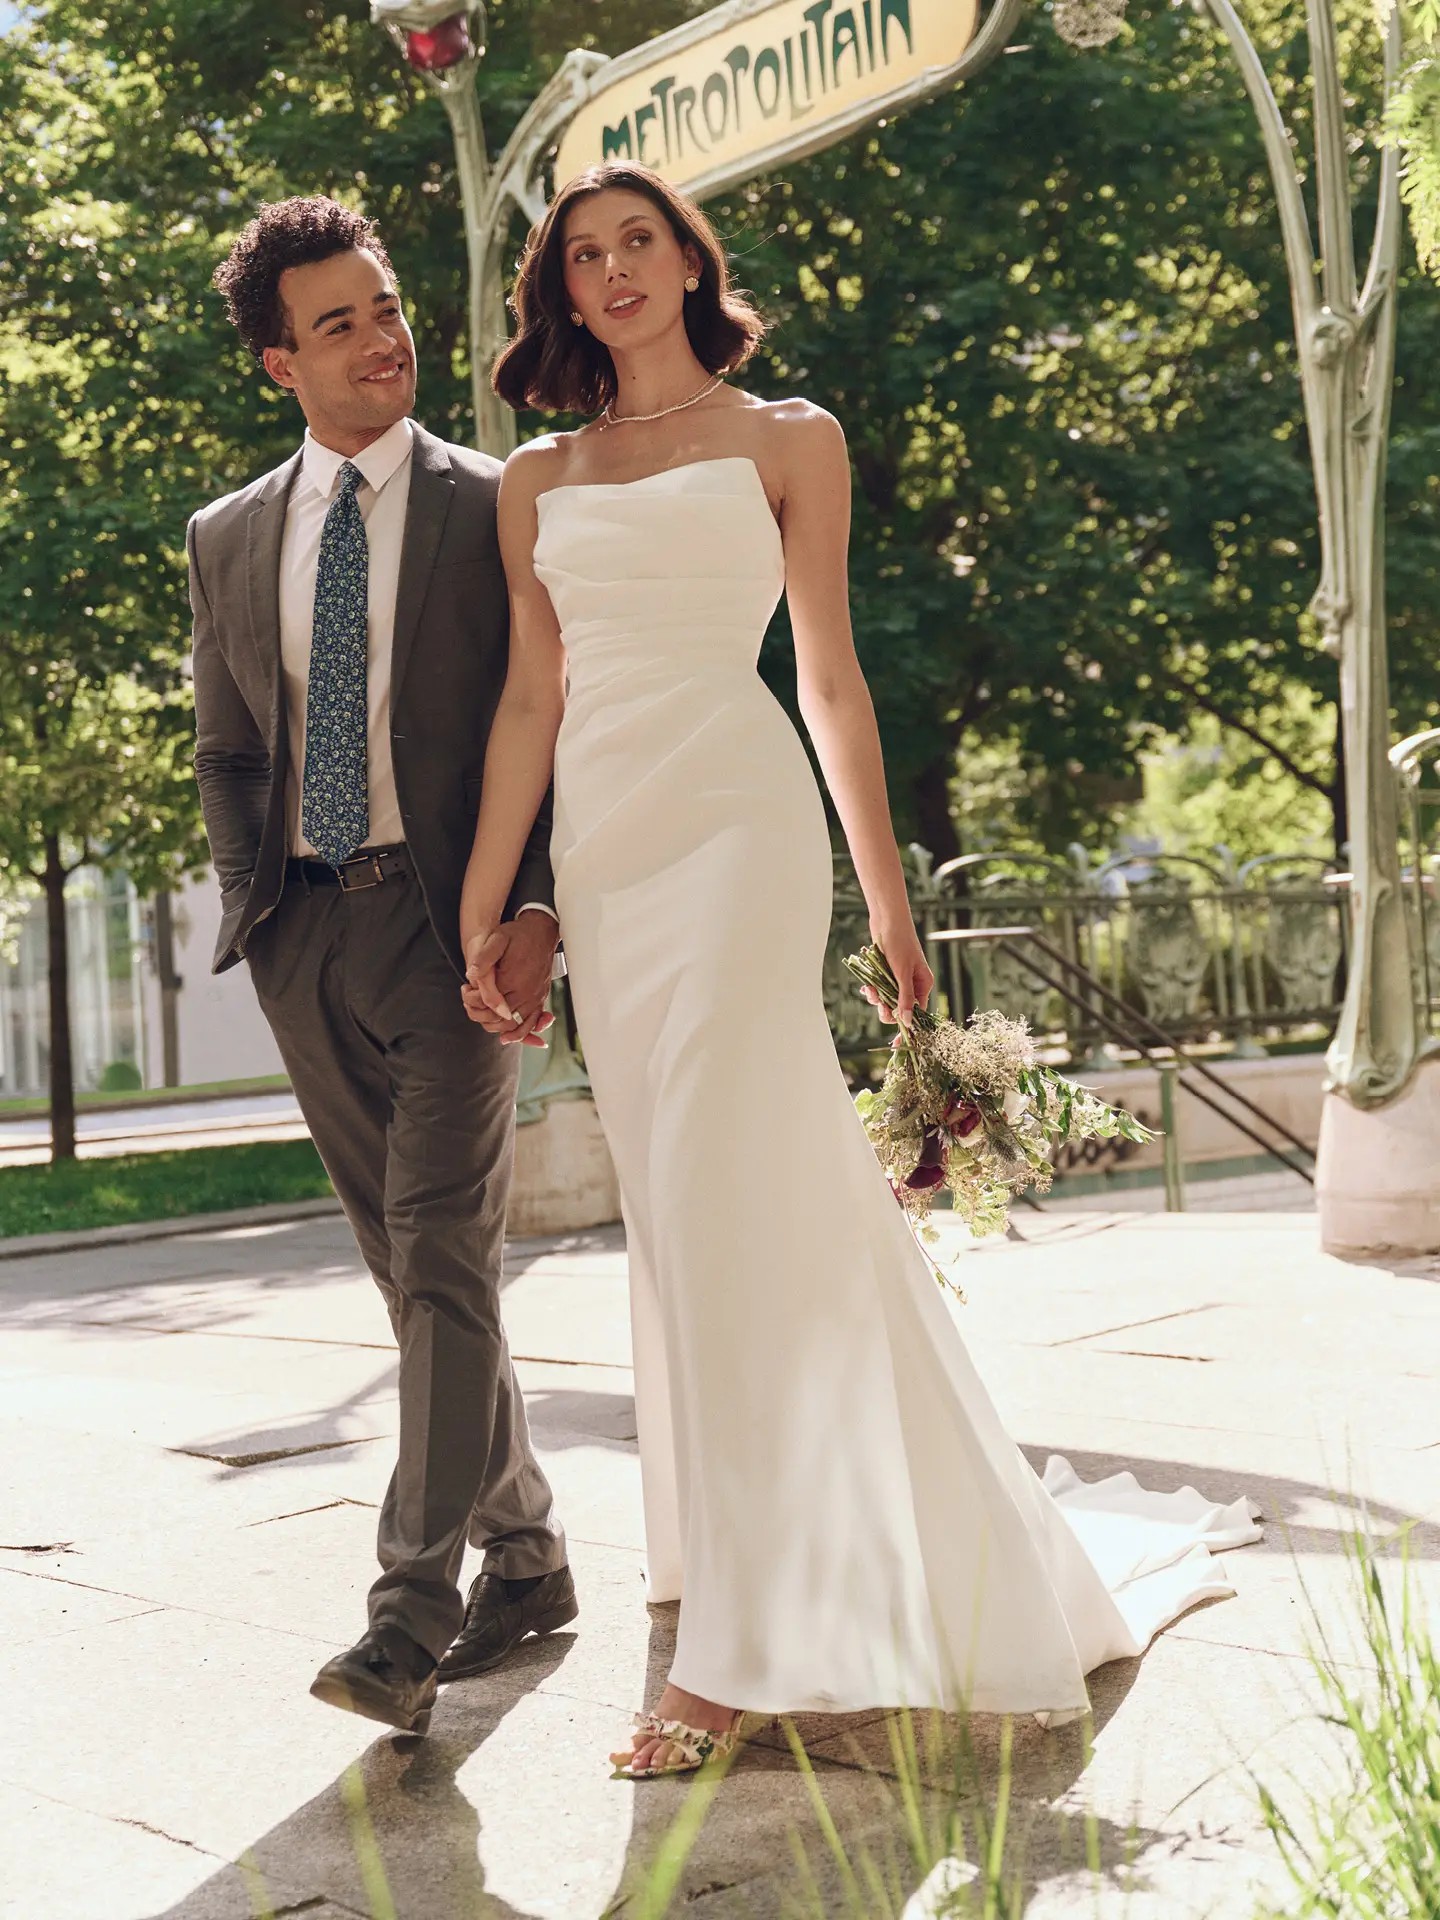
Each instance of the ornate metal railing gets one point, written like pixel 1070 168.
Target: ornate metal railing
pixel 1140 1036
pixel 1211 950
pixel 1241 955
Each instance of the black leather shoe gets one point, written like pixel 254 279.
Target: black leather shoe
pixel 495 1624
pixel 384 1676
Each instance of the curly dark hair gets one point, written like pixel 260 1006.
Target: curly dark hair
pixel 284 234
pixel 561 368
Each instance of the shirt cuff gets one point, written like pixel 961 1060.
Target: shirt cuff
pixel 558 968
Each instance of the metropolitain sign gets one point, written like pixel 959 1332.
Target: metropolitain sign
pixel 760 81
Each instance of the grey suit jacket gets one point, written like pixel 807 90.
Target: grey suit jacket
pixel 446 676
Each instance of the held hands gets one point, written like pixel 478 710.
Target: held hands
pixel 901 946
pixel 507 978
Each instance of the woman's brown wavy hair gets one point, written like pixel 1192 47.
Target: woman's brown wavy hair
pixel 560 368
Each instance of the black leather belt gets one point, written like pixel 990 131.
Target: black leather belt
pixel 369 868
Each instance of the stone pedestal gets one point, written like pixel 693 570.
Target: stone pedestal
pixel 1377 1182
pixel 564 1177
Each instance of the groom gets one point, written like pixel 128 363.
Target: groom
pixel 350 647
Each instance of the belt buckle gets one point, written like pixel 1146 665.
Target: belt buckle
pixel 366 861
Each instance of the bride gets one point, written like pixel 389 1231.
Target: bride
pixel 823 1469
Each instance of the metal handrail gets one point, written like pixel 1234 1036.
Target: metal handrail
pixel 1144 1037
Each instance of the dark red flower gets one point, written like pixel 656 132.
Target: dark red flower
pixel 962 1116
pixel 930 1169
pixel 925 1177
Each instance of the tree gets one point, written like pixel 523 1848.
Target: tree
pixel 92 773
pixel 1221 790
pixel 104 441
pixel 1412 122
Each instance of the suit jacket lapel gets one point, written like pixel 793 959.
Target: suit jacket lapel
pixel 431 488
pixel 265 534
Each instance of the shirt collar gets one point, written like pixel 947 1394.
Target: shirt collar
pixel 320 465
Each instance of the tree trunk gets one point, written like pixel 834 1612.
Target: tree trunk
pixel 62 1063
pixel 931 789
pixel 170 985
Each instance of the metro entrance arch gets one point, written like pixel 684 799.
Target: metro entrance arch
pixel 753 83
pixel 710 104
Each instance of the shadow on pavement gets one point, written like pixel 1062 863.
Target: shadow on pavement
pixel 404 1810
pixel 426 1832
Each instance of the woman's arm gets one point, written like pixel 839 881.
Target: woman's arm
pixel 834 699
pixel 519 756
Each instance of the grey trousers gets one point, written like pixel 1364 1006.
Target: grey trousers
pixel 412 1108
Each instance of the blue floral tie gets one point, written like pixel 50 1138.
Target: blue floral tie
pixel 334 804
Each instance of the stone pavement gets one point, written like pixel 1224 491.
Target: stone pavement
pixel 194 1433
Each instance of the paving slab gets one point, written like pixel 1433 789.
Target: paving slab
pixel 35 1608
pixel 62 1861
pixel 196 1432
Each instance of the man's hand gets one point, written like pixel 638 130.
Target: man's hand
pixel 507 978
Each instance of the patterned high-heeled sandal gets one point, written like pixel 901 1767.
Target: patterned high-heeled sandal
pixel 689 1747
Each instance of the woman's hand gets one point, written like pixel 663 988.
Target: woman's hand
pixel 507 978
pixel 900 944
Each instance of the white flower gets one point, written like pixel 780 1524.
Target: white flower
pixel 1016 1105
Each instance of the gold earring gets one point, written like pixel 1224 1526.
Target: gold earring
pixel 578 319
pixel 692 283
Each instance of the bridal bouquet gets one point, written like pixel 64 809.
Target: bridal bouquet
pixel 968 1108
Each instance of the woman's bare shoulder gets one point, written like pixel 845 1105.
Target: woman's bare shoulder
pixel 540 464
pixel 793 424
pixel 794 440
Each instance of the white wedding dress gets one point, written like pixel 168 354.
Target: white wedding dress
pixel 824 1472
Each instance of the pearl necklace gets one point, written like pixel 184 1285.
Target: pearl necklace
pixel 613 419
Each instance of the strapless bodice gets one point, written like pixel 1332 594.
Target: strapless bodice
pixel 679 570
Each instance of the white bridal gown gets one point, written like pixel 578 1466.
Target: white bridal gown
pixel 824 1472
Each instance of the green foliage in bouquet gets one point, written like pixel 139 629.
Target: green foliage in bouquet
pixel 970 1109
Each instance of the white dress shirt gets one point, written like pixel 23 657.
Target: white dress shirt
pixel 382 497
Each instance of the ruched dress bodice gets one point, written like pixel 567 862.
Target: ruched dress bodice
pixel 615 556
pixel 663 588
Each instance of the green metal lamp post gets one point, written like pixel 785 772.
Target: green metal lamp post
pixel 1345 338
pixel 445 45
pixel 1372 1139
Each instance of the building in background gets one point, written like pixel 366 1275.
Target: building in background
pixel 118 1005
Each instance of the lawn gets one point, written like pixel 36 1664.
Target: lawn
pixel 157 1186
